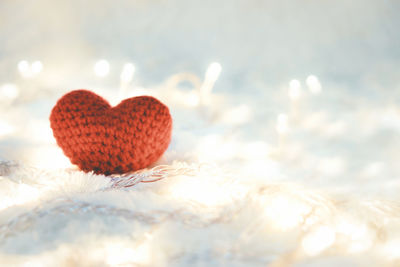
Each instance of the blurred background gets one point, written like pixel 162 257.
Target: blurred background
pixel 258 43
pixel 305 92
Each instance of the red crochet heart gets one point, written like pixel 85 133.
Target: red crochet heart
pixel 108 140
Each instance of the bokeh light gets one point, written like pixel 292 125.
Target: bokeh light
pixel 101 68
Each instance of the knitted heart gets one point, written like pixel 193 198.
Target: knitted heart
pixel 108 140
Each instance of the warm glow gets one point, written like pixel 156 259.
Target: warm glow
pixel 192 99
pixel 211 76
pixel 213 72
pixel 39 131
pixel 29 70
pixel 23 194
pixel 122 253
pixel 331 166
pixel 33 263
pixel 294 89
pixel 23 67
pixel 210 190
pixel 256 168
pixel 237 115
pixel 391 249
pixel 313 84
pixel 6 128
pixel 256 150
pixel 358 235
pixel 101 68
pixel 36 67
pixel 213 147
pixel 285 212
pixel 49 157
pixel 282 124
pixel 127 73
pixel 201 191
pixel 9 91
pixel 318 240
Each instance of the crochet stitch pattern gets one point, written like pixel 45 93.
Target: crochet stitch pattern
pixel 111 140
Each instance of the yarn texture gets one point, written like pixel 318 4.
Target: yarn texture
pixel 111 140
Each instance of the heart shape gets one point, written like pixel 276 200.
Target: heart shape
pixel 109 140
